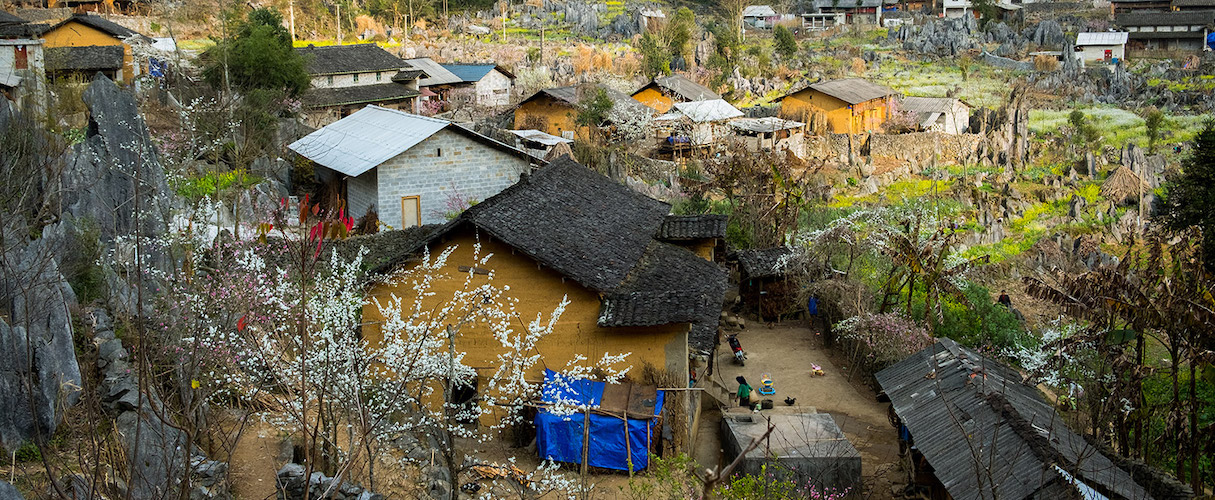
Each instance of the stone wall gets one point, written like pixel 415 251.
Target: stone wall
pixel 438 167
pixel 921 147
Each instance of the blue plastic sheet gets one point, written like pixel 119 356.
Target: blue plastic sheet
pixel 559 437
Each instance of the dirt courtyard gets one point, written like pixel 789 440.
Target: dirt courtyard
pixel 786 351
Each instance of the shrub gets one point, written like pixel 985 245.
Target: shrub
pixel 876 341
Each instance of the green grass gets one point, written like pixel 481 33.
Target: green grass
pixel 897 192
pixel 1117 126
pixel 982 87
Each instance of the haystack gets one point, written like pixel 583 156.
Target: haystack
pixel 1124 186
pixel 559 150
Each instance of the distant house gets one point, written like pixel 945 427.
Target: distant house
pixel 849 106
pixel 1102 46
pixel 555 111
pixel 345 78
pixel 537 143
pixel 1192 5
pixel 566 232
pixel 489 84
pixel 664 91
pixel 1180 31
pixel 959 412
pixel 766 285
pixel 769 133
pixel 759 16
pixel 854 11
pixel 85 44
pixel 1125 6
pixel 22 63
pixel 818 21
pixel 938 114
pixel 408 168
pixel 703 122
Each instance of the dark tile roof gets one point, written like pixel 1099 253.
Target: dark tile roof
pixel 1186 18
pixel 600 234
pixel 96 22
pixel 853 90
pixel 14 27
pixel 692 227
pixel 88 58
pixel 407 75
pixel 359 94
pixel 670 284
pixel 968 413
pixel 765 262
pixel 683 87
pixel 474 72
pixel 6 18
pixel 341 59
pixel 1193 3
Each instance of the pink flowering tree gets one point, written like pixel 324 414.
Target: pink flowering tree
pixel 875 341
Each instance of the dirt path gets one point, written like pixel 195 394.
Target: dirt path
pixel 786 352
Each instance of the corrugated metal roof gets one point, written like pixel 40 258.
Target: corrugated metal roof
pixel 436 74
pixel 765 124
pixel 474 72
pixel 758 11
pixel 1101 38
pixel 366 138
pixel 713 110
pixel 932 104
pixel 540 137
pixel 984 431
pixel 853 90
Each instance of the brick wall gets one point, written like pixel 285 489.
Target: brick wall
pixel 361 193
pixel 472 168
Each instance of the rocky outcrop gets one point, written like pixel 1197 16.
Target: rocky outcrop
pixel 114 178
pixel 292 486
pixel 946 37
pixel 39 376
pixel 9 492
pixel 156 450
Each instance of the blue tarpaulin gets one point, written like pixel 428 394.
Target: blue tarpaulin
pixel 559 437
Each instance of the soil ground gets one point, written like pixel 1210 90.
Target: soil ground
pixel 786 351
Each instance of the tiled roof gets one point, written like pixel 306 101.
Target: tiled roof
pixel 966 411
pixel 341 59
pixel 765 262
pixel 1187 18
pixel 96 22
pixel 692 227
pixel 683 87
pixel 436 74
pixel 623 103
pixel 358 94
pixel 88 58
pixel 853 90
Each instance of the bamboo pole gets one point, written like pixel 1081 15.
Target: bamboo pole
pixel 586 439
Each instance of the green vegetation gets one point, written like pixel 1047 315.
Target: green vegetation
pixel 258 57
pixel 211 184
pixel 786 46
pixel 1117 127
pixel 1192 194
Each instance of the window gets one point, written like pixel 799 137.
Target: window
pixel 411 211
pixel 329 80
pixel 356 78
pixel 21 57
pixel 378 76
pixel 439 152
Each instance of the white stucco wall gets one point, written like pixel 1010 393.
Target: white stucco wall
pixel 347 80
pixel 1097 52
pixel 493 89
pixel 472 168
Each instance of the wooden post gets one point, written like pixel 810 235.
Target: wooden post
pixel 586 438
pixel 628 446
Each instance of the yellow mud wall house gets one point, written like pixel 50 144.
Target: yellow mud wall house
pixel 850 106
pixel 555 111
pixel 66 39
pixel 664 91
pixel 623 263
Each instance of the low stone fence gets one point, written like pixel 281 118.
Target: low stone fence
pixel 922 148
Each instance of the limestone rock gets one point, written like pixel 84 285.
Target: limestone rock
pixel 9 492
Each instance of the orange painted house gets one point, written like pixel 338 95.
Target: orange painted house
pixel 638 279
pixel 664 91
pixel 849 106
pixel 555 111
pixel 86 44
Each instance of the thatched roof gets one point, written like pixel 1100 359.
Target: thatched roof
pixel 1124 186
pixel 560 149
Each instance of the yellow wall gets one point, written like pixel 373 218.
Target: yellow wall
pixel 539 291
pixel 868 116
pixel 652 97
pixel 559 116
pixel 74 34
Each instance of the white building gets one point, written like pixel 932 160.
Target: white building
pixel 22 63
pixel 938 114
pixel 1102 46
pixel 410 169
pixel 489 83
pixel 704 122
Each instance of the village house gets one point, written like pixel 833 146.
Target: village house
pixel 22 70
pixel 959 412
pixel 854 11
pixel 664 91
pixel 567 232
pixel 949 115
pixel 760 16
pixel 437 80
pixel 555 111
pixel 765 284
pixel 769 133
pixel 537 143
pixel 848 106
pixel 702 122
pixel 1102 46
pixel 818 21
pixel 1125 6
pixel 1173 31
pixel 345 78
pixel 1192 5
pixel 408 169
pixel 84 44
pixel 487 84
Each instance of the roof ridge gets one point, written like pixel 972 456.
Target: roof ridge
pixel 411 115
